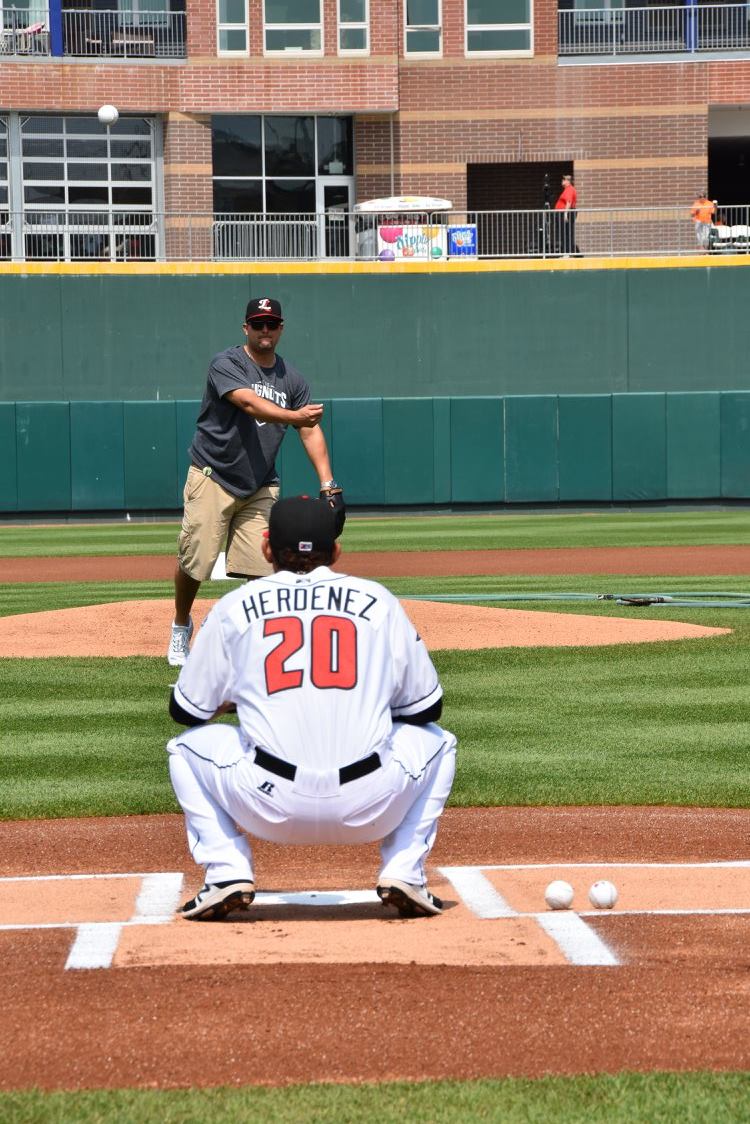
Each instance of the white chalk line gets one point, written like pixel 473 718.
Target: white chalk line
pixel 95 945
pixel 84 877
pixel 602 866
pixel 578 943
pixel 96 942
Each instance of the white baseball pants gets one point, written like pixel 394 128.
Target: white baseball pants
pixel 223 792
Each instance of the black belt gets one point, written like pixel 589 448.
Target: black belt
pixel 273 764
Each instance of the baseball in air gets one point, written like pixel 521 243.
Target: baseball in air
pixel 108 114
pixel 603 894
pixel 559 895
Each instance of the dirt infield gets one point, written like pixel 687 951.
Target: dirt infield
pixel 732 559
pixel 141 628
pixel 105 987
pixel 272 999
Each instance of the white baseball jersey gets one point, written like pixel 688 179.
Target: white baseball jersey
pixel 317 664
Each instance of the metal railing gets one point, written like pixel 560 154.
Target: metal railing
pixel 123 33
pixel 42 234
pixel 681 29
pixel 117 33
pixel 24 31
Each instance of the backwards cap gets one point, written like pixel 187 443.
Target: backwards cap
pixel 303 525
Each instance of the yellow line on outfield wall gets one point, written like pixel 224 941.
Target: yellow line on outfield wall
pixel 455 265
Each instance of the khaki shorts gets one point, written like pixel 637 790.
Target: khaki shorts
pixel 214 520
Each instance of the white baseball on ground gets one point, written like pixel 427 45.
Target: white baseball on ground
pixel 108 114
pixel 603 894
pixel 559 894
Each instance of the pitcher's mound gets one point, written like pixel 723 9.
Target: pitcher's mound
pixel 141 628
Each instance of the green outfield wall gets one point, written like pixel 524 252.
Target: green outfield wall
pixel 88 456
pixel 546 328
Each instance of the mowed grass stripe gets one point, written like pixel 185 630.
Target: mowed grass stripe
pixel 31 597
pixel 658 723
pixel 415 532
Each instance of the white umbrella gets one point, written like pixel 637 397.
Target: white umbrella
pixel 400 204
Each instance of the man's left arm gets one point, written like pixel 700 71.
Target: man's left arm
pixel 317 450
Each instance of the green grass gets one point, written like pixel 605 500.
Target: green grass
pixel 625 1098
pixel 33 597
pixel 646 724
pixel 417 532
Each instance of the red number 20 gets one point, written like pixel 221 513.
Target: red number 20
pixel 333 653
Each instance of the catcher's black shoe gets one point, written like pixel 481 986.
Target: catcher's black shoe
pixel 214 902
pixel 410 901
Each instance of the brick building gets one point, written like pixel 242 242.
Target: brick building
pixel 272 107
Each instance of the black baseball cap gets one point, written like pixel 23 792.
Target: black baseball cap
pixel 302 524
pixel 263 306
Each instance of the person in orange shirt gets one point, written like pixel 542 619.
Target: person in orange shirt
pixel 702 213
pixel 566 217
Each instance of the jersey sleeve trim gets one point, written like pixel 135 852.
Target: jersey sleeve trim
pixel 418 705
pixel 190 707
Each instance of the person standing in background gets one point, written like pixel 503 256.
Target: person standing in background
pixel 702 213
pixel 566 217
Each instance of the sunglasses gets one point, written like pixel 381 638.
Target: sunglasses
pixel 259 325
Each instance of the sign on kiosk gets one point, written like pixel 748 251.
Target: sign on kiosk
pixel 412 241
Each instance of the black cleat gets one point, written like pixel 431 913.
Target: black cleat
pixel 214 902
pixel 410 901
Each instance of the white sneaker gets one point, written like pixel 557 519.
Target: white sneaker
pixel 179 643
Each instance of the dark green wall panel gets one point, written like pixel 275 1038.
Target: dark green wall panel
pixel 30 349
pixel 529 332
pixel 688 329
pixel 186 415
pixel 43 456
pixel 298 477
pixel 531 449
pixel 145 337
pixel 585 447
pixel 693 446
pixel 94 456
pixel 441 449
pixel 477 450
pixel 8 478
pixel 358 448
pixel 408 451
pixel 735 445
pixel 639 447
pixel 97 456
pixel 150 454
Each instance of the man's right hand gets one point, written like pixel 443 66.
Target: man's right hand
pixel 307 416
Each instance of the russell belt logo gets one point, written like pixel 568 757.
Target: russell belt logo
pixel 267 787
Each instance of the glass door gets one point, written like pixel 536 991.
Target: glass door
pixel 334 206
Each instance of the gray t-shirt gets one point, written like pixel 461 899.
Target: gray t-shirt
pixel 239 449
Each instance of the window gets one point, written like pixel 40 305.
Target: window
pixel 270 164
pixel 498 27
pixel 354 27
pixel 423 27
pixel 294 26
pixel 231 26
pixel 272 180
pixel 87 190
